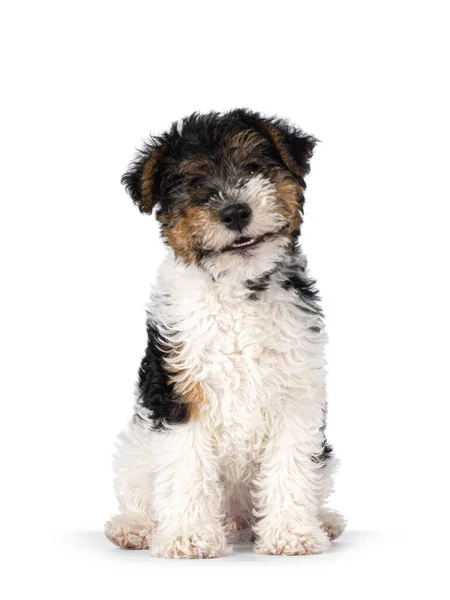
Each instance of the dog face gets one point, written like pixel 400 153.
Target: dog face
pixel 228 187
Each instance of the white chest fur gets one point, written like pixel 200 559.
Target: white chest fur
pixel 250 355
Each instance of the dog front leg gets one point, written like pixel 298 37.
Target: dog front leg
pixel 286 489
pixel 186 495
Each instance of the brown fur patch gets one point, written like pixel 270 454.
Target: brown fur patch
pixel 148 179
pixel 190 392
pixel 290 199
pixel 244 144
pixel 277 138
pixel 185 232
pixel 187 390
pixel 193 165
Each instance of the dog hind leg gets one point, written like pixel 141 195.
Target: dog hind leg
pixel 238 507
pixel 332 521
pixel 133 528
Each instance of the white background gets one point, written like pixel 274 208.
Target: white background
pixel 83 83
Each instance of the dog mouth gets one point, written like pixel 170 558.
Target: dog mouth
pixel 245 242
pixel 242 242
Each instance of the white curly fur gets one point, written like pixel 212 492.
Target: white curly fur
pixel 245 465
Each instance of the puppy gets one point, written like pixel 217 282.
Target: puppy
pixel 228 434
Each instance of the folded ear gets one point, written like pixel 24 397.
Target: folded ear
pixel 294 147
pixel 143 178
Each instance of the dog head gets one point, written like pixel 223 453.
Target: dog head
pixel 228 188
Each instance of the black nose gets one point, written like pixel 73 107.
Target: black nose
pixel 236 216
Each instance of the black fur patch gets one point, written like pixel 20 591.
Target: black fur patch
pixel 156 392
pixel 258 285
pixel 325 455
pixel 305 289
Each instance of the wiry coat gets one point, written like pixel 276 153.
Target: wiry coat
pixel 229 427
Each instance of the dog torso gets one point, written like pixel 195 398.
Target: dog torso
pixel 245 348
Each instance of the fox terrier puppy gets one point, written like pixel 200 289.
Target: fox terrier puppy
pixel 228 434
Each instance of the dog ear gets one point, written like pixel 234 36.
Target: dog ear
pixel 294 147
pixel 143 178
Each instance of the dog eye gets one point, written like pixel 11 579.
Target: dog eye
pixel 195 184
pixel 252 168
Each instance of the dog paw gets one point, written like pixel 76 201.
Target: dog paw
pixel 332 522
pixel 238 529
pixel 128 532
pixel 294 542
pixel 195 545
